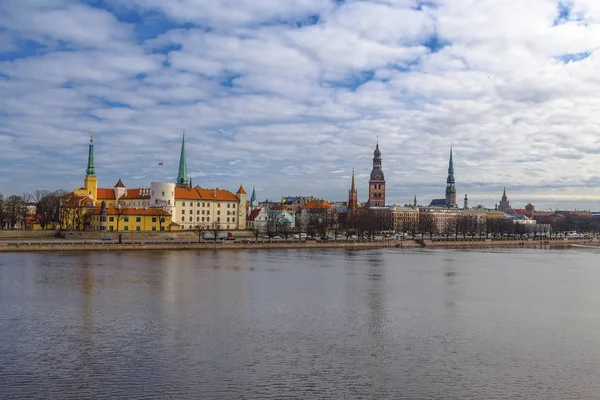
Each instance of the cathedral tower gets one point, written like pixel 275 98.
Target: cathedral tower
pixel 182 178
pixel 377 181
pixel 450 188
pixel 90 184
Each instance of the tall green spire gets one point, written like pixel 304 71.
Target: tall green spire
pixel 182 178
pixel 91 171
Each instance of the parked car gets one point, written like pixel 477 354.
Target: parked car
pixel 277 237
pixel 170 238
pixel 107 238
pixel 245 240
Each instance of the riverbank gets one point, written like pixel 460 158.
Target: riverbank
pixel 226 245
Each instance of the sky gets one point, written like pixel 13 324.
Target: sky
pixel 290 95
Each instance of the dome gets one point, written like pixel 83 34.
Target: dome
pixel 377 152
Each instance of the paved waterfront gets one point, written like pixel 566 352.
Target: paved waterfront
pixel 305 324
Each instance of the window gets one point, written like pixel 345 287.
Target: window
pixel 219 205
pixel 183 211
pixel 126 219
pixel 198 204
pixel 197 212
pixel 233 219
pixel 218 219
pixel 182 218
pixel 183 204
pixel 126 228
pixel 153 228
pixel 218 212
pixel 111 219
pixel 228 205
pixel 202 212
pixel 110 228
pixel 137 228
pixel 202 219
pixel 169 202
pixel 233 205
pixel 191 219
pixel 197 219
pixel 155 201
pixel 163 193
pixel 207 219
pixel 162 228
pixel 227 219
pixel 138 219
pixel 153 219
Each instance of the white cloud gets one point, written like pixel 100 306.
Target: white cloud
pixel 295 102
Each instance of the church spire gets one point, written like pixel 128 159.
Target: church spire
pixel 91 171
pixel 450 188
pixel 182 178
pixel 353 187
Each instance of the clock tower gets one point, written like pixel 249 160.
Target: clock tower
pixel 377 181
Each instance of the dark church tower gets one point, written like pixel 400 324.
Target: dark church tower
pixel 450 189
pixel 352 198
pixel 377 181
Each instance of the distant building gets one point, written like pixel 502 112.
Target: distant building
pixel 504 204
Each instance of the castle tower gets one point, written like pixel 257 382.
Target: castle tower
pixel 504 205
pixel 182 178
pixel 352 197
pixel 450 188
pixel 415 201
pixel 90 184
pixel 466 203
pixel 241 214
pixel 377 181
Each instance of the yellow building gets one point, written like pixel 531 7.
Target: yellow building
pixel 132 220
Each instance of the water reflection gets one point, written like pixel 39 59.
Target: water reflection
pixel 375 324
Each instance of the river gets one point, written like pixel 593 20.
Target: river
pixel 301 324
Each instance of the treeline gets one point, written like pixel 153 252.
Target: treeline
pixel 42 205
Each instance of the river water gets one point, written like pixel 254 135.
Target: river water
pixel 301 324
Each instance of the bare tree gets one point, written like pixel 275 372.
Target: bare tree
pixel 16 210
pixel 215 228
pixel 199 229
pixel 3 211
pixel 426 224
pixel 120 213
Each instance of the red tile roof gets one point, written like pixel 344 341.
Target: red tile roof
pixel 318 204
pixel 105 194
pixel 276 208
pixel 241 190
pixel 253 214
pixel 135 194
pixel 199 193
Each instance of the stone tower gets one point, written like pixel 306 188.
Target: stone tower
pixel 241 214
pixel 377 181
pixel 450 188
pixel 352 198
pixel 182 178
pixel 466 203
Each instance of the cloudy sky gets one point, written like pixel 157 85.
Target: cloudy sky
pixel 290 95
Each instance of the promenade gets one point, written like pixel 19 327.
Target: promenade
pixel 154 244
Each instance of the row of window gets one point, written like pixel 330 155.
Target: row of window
pixel 207 212
pixel 207 219
pixel 137 228
pixel 191 204
pixel 137 219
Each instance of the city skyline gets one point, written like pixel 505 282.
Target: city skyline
pixel 291 98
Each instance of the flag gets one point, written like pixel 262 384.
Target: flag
pixel 160 163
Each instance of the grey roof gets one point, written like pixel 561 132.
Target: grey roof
pixel 375 172
pixel 438 203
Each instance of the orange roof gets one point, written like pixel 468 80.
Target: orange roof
pixel 134 211
pixel 275 208
pixel 518 211
pixel 105 194
pixel 241 190
pixel 199 193
pixel 318 204
pixel 72 200
pixel 135 194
